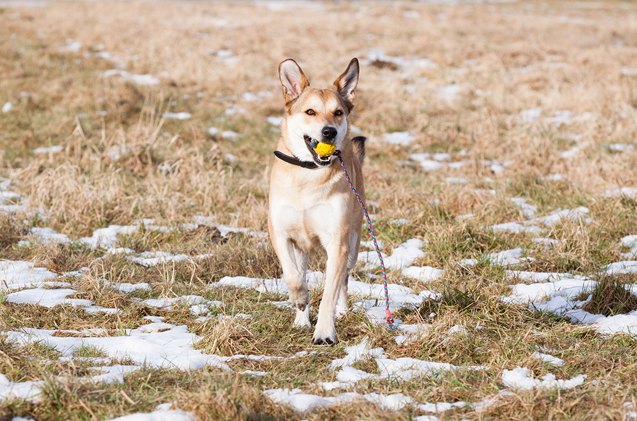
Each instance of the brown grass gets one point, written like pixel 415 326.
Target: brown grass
pixel 121 162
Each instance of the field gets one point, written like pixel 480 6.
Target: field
pixel 136 275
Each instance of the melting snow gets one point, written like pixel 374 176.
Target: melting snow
pixel 177 116
pixel 558 293
pixel 398 138
pixel 547 358
pixel 435 161
pixel 449 93
pixel 46 236
pixel 47 297
pixel 226 134
pixel 20 274
pixel 621 268
pixel 303 402
pixel 29 390
pixel 423 273
pixel 503 258
pixel 8 106
pixel 402 256
pixel 154 258
pixel 45 150
pixel 138 79
pixel 128 287
pixel 156 344
pixel 161 413
pixel 622 191
pixel 521 378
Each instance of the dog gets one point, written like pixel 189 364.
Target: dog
pixel 310 202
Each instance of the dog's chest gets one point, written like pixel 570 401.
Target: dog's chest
pixel 307 220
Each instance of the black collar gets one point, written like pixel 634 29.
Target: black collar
pixel 295 161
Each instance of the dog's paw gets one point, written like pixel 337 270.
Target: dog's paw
pixel 324 336
pixel 302 318
pixel 324 341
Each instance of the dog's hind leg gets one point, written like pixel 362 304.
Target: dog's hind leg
pixel 294 265
pixel 335 278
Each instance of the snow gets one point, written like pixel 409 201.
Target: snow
pixel 177 116
pixel 558 293
pixel 530 115
pixel 516 228
pixel 566 288
pixel 71 46
pixel 139 79
pixel 357 353
pixel 521 378
pixel 398 138
pixel 620 147
pixel 304 402
pixel 402 256
pixel 510 257
pixel 411 332
pixel 629 71
pixel 161 413
pixel 274 120
pixel 528 210
pixel 621 268
pixel 547 358
pixel 630 242
pixel 47 297
pixel 126 287
pixel 558 215
pixel 46 236
pixel 156 344
pixel 45 150
pixel 21 274
pixel 112 373
pixel 564 117
pixel 622 191
pixel 154 258
pixel 407 64
pixel 449 93
pixel 107 237
pixel 435 161
pixel 423 273
pixel 29 390
pixel 198 304
pixel 7 107
pixel 226 134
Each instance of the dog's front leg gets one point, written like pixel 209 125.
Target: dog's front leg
pixel 294 265
pixel 335 277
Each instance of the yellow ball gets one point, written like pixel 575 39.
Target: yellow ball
pixel 325 149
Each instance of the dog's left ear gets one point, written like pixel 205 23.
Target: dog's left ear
pixel 347 81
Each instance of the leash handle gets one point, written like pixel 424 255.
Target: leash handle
pixel 389 319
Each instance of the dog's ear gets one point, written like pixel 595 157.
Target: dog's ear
pixel 292 79
pixel 347 81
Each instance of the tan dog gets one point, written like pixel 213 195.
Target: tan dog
pixel 311 205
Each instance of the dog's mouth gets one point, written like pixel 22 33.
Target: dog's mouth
pixel 311 143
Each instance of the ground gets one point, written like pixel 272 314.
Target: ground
pixel 136 273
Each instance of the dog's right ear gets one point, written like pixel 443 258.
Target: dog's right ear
pixel 292 79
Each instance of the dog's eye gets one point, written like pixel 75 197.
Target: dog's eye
pixel 338 113
pixel 310 112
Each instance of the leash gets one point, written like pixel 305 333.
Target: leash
pixel 389 319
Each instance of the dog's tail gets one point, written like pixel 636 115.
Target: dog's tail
pixel 359 147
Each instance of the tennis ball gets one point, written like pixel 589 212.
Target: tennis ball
pixel 325 150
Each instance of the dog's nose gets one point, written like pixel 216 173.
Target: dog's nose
pixel 328 132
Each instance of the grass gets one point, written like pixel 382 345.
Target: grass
pixel 122 162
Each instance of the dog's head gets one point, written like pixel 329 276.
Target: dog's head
pixel 316 115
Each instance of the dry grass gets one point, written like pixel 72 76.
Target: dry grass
pixel 121 162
